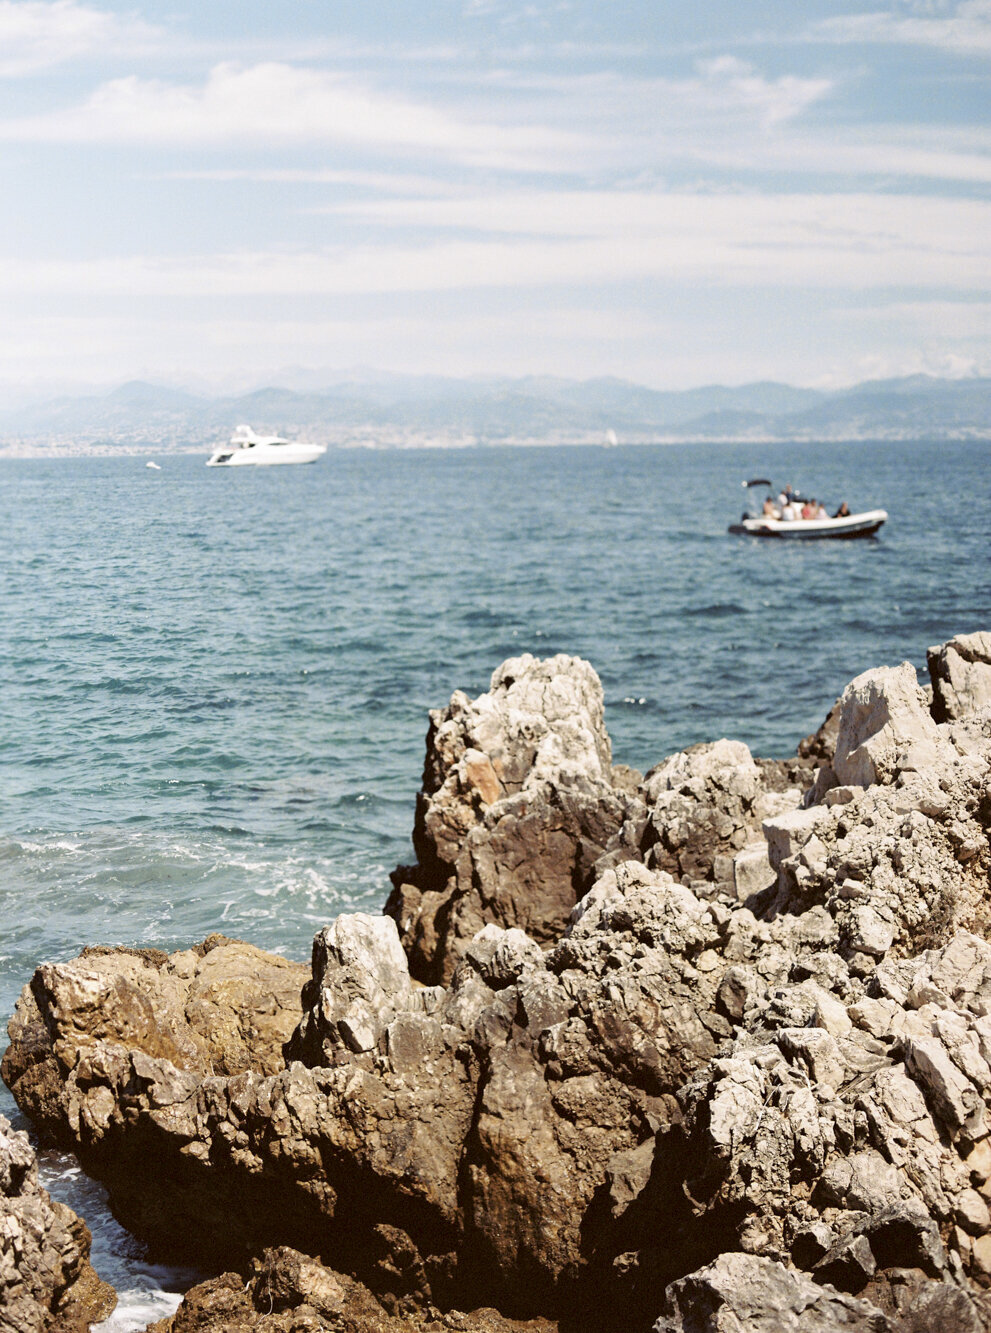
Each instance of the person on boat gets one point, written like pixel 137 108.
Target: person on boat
pixel 821 510
pixel 843 511
pixel 789 512
pixel 809 509
pixel 785 497
pixel 769 510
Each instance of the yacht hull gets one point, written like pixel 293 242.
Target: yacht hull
pixel 266 456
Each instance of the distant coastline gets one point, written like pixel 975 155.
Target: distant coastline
pixel 12 449
pixel 403 412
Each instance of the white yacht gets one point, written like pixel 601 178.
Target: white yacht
pixel 263 450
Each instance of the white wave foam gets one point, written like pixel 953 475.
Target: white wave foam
pixel 16 845
pixel 137 1308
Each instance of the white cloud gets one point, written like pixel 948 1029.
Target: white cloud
pixel 733 120
pixel 966 30
pixel 727 84
pixel 281 104
pixel 748 220
pixel 906 361
pixel 573 240
pixel 675 346
pixel 883 153
pixel 35 35
pixel 723 95
pixel 540 123
pixel 387 182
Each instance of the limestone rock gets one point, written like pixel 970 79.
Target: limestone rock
pixel 861 1143
pixel 289 1292
pixel 518 803
pixel 701 803
pixel 539 720
pixel 884 725
pixel 360 983
pixel 961 676
pixel 632 1073
pixel 899 855
pixel 752 870
pixel 219 1008
pixel 46 1281
pixel 480 1127
pixel 745 1292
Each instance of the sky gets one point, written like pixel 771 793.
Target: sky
pixel 220 196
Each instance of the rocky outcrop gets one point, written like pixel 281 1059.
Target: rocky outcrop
pixel 289 1292
pixel 47 1284
pixel 217 1009
pixel 900 858
pixel 517 804
pixel 846 1139
pixel 961 676
pixel 742 1291
pixel 703 806
pixel 745 1079
pixel 360 983
pixel 885 728
pixel 509 1134
pixel 464 1141
pixel 521 810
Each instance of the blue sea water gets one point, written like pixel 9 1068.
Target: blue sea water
pixel 215 683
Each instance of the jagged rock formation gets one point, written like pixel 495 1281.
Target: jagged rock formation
pixel 46 1281
pixel 521 810
pixel 748 1078
pixel 703 806
pixel 961 676
pixel 219 1009
pixel 894 843
pixel 289 1292
pixel 518 801
pixel 466 1138
pixel 742 1291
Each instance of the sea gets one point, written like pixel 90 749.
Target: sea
pixel 215 682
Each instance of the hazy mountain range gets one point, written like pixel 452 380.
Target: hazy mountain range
pixel 388 409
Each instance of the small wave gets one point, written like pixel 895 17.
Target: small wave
pixel 14 847
pixel 482 616
pixel 716 611
pixel 201 705
pixel 138 1307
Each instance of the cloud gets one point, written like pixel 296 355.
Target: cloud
pixel 884 153
pixel 535 123
pixel 780 240
pixel 575 240
pixel 386 182
pixel 278 104
pixel 966 30
pixel 36 35
pixel 727 84
pixel 722 94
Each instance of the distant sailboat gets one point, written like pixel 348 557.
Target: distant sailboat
pixel 611 440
